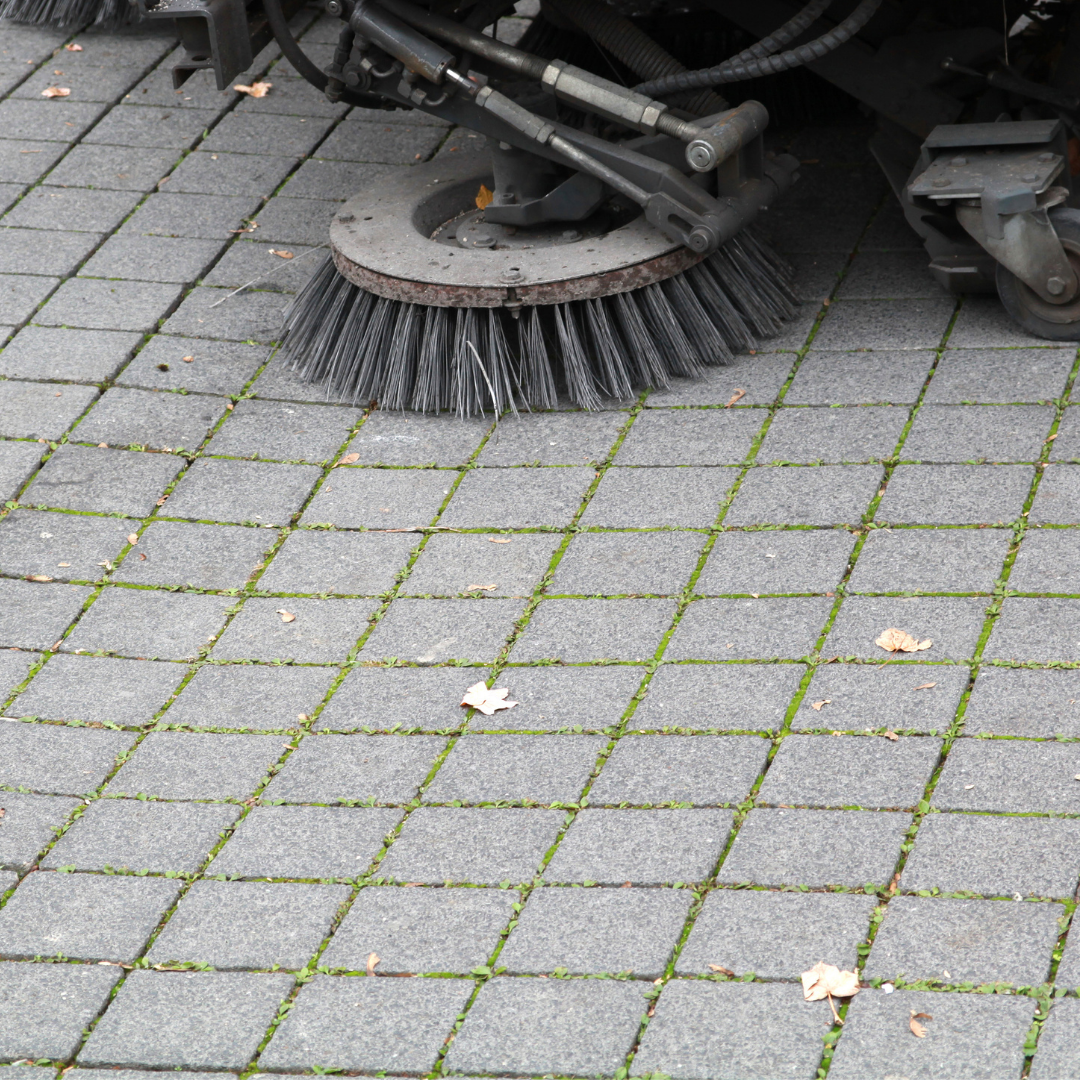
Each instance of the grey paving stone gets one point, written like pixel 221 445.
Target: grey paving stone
pixel 734 697
pixel 956 494
pixel 973 940
pixel 44 121
pixel 280 382
pixel 152 258
pixel 61 546
pixel 517 499
pixel 250 317
pixel 41 410
pixel 30 822
pixel 14 667
pixel 109 305
pixel 15 163
pixel 20 294
pixel 249 924
pixel 775 935
pixel 118 168
pixel 579 631
pixel 216 367
pixel 388 142
pixel 202 1019
pixel 644 847
pixel 83 916
pixel 691 437
pixel 44 1007
pixel 1068 972
pixel 832 436
pixel 33 616
pixel 1056 1058
pixel 418 930
pixel 67 209
pixel 249 696
pixel 144 126
pixel 1010 776
pixel 272 268
pixel 878 275
pixel 450 564
pixel 210 217
pixel 133 835
pixel 8 881
pixel 230 174
pixel 471 844
pixel 955 433
pixel 1048 561
pixel 971 1036
pixel 749 629
pixel 98 690
pixel 897 696
pixel 295 221
pixel 147 624
pixel 643 498
pixel 966 376
pixel 433 631
pixel 199 92
pixel 706 770
pixel 952 623
pixel 336 180
pixel 379 498
pixel 533 1026
pixel 804 847
pixel 1057 500
pixel 391 698
pixel 798 560
pixel 22 251
pixel 401 1025
pixel 597 931
pixel 292 97
pixel 761 376
pixel 1066 445
pixel 560 438
pixel 40 352
pixel 1033 704
pixel 284 431
pixel 885 324
pixel 9 194
pixel 197 765
pixel 305 842
pixel 931 560
pixel 516 768
pixel 758 1032
pixel 152 419
pixel 1035 629
pixel 263 493
pixel 138 1074
pixel 618 563
pixel 820 495
pixel 17 462
pixel 984 324
pixel 248 133
pixel 203 556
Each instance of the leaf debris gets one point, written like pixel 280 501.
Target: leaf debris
pixel 55 91
pixel 286 616
pixel 817 705
pixel 825 981
pixel 721 970
pixel 73 46
pixel 484 197
pixel 926 686
pixel 893 640
pixel 133 538
pixel 482 588
pixel 281 254
pixel 255 90
pixel 348 459
pixel 891 736
pixel 735 397
pixel 917 1029
pixel 372 960
pixel 487 700
pixel 500 540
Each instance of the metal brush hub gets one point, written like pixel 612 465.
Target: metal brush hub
pixel 392 240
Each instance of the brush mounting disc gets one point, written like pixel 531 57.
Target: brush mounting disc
pixel 390 240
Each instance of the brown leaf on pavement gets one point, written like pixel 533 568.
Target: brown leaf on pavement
pixel 893 640
pixel 286 616
pixel 721 970
pixel 891 736
pixel 482 588
pixel 483 197
pixel 56 91
pixel 39 577
pixel 73 46
pixel 499 540
pixel 817 705
pixel 917 1029
pixel 348 459
pixel 825 981
pixel 133 538
pixel 487 700
pixel 926 686
pixel 735 397
pixel 187 359
pixel 256 89
pixel 372 960
pixel 281 254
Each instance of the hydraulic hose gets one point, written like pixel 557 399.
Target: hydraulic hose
pixel 739 70
pixel 786 34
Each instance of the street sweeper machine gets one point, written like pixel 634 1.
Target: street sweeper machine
pixel 604 239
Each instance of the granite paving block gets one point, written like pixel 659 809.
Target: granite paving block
pixel 43 120
pixel 559 438
pixel 249 133
pixel 23 253
pixel 518 499
pixel 390 698
pixel 249 924
pixel 644 847
pixel 597 931
pixel 417 930
pixel 279 381
pixel 479 845
pixel 1048 561
pixel 284 431
pixel 230 174
pixel 954 433
pixel 119 168
pixel 1057 500
pixel 296 221
pixel 202 1019
pixel 147 126
pixel 449 564
pixel 215 367
pixel 199 92
pixel 984 324
pixel 149 625
pixel 618 563
pixel 150 418
pixel 20 295
pixel 399 438
pixel 775 935
pixel 252 316
pixel 292 97
pixel 1010 776
pixel 691 437
pixel 334 180
pixel 797 560
pixel 109 305
pixel 968 376
pixel 1029 703
pixel 152 258
pixel 758 1032
pixel 263 493
pixel 83 916
pixel 62 546
pixel 642 498
pixel 45 1007
pixel 388 142
pixel 532 1027
pixel 1056 1057
pixel 128 834
pixel 43 352
pixel 210 217
pixel 931 560
pixel 1035 629
pixel 516 768
pixel 15 665
pixel 9 194
pixel 806 847
pixel 894 275
pixel 98 690
pixel 17 462
pixel 761 376
pixel 16 164
pixel 971 1036
pixel 1066 445
pixel 885 324
pixel 955 494
pixel 749 629
pixel 54 760
pixel 31 410
pixel 267 265
pixel 79 209
pixel 30 822
pixel 705 770
pixel 952 623
pixel 977 941
pixel 579 631
pixel 305 842
pixel 832 436
pixel 819 495
pixel 33 616
pixel 400 1027
pixel 433 631
pixel 379 498
pixel 8 881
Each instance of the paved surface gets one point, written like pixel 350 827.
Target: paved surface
pixel 214 816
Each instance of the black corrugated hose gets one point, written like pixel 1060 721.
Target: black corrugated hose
pixel 787 33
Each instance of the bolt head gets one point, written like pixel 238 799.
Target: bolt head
pixel 942 181
pixel 334 7
pixel 698 240
pixel 700 157
pixel 1055 286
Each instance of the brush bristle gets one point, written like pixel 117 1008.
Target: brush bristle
pixel 470 360
pixel 107 14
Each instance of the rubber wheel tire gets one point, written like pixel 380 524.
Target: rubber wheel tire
pixel 1055 322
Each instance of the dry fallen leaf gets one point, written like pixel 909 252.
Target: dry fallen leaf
pixel 917 1029
pixel 721 970
pixel 187 359
pixel 63 564
pixel 891 736
pixel 256 89
pixel 39 577
pixel 348 459
pixel 487 700
pixel 74 47
pixel 483 197
pixel 56 91
pixel 735 397
pixel 281 254
pixel 372 960
pixel 499 540
pixel 816 705
pixel 286 616
pixel 825 981
pixel 482 588
pixel 926 686
pixel 133 538
pixel 893 640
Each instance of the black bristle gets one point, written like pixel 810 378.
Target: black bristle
pixel 108 14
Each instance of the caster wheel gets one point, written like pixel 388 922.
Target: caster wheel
pixel 1056 322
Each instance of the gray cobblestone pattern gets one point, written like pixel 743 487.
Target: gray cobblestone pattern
pixel 213 817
